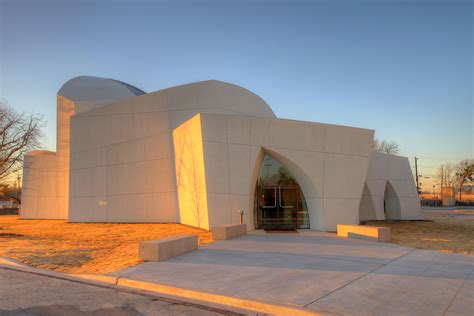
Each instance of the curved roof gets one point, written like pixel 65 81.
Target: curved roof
pixel 211 96
pixel 97 90
pixel 214 96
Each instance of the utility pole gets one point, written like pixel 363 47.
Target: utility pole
pixel 442 177
pixel 416 172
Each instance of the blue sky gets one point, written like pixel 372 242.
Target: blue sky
pixel 403 68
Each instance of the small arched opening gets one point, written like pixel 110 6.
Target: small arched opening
pixel 366 206
pixel 391 203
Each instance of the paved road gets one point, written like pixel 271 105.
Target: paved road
pixel 320 272
pixel 23 293
pixel 464 212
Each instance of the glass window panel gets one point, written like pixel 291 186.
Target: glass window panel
pixel 279 201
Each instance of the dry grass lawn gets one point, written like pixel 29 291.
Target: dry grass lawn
pixel 103 248
pixel 446 234
pixel 81 248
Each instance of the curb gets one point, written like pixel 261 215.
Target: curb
pixel 202 298
pixel 206 297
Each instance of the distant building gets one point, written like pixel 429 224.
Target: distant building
pixel 201 153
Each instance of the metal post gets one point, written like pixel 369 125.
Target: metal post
pixel 416 172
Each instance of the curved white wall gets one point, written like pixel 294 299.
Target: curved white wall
pixel 122 160
pixel 389 180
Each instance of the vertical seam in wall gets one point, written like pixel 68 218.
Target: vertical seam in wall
pixel 107 202
pixel 324 180
pixel 147 217
pixel 249 178
pixel 228 166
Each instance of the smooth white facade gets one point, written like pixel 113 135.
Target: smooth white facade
pixel 191 154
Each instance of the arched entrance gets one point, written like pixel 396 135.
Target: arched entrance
pixel 279 202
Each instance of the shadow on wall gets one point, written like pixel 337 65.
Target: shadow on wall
pixel 391 203
pixel 367 205
pixel 190 176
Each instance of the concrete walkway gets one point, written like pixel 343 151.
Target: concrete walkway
pixel 320 272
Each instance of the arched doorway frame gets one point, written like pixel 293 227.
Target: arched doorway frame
pixel 309 190
pixel 391 202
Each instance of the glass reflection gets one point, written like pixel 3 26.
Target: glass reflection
pixel 279 202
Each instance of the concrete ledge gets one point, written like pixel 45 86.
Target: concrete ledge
pixel 207 297
pixel 166 248
pixel 225 232
pixel 371 233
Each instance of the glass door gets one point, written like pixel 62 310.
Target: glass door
pixel 279 202
pixel 277 207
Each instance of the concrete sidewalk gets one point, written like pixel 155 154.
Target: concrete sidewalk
pixel 322 273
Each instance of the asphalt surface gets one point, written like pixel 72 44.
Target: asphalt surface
pixel 23 293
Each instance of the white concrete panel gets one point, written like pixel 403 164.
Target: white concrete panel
pixel 137 181
pixel 216 111
pixel 158 147
pixel 239 169
pixel 97 181
pixel 87 132
pixel 80 209
pixel 162 207
pixel 124 127
pixel 99 207
pixel 126 152
pixel 379 207
pixel 238 129
pixel 376 187
pixel 258 129
pixel 404 188
pixel 127 208
pixel 29 204
pixel 95 157
pixel 156 123
pixel 182 97
pixel 160 176
pixel 178 117
pixel 340 211
pixel 216 166
pixel 378 166
pixel 126 106
pixel 344 175
pixel 153 102
pixel 78 160
pixel 307 167
pixel 88 209
pixel 75 186
pixel 118 179
pixel 294 135
pixel 241 203
pixel 399 168
pixel 219 209
pixel 213 128
pixel 410 208
pixel 315 212
pixel 347 140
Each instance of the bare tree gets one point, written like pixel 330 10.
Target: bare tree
pixel 189 175
pixel 19 133
pixel 447 174
pixel 386 147
pixel 464 174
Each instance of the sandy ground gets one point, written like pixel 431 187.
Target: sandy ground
pixel 441 233
pixel 81 248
